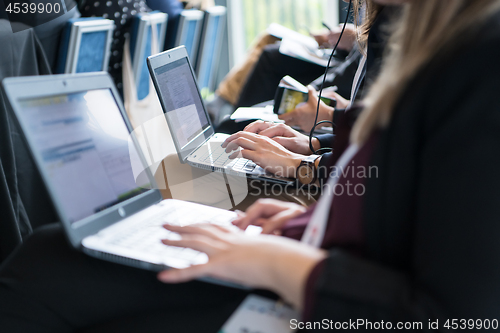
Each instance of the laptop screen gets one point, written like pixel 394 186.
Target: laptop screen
pixel 182 101
pixel 83 141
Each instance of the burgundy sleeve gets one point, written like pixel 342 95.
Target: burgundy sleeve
pixel 295 227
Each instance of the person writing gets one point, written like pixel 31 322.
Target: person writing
pixel 282 150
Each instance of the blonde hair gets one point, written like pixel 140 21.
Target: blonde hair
pixel 425 28
pixel 370 12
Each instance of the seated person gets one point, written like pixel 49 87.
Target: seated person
pixel 342 74
pixel 256 79
pixel 279 148
pixel 304 114
pixel 418 246
pixel 372 41
pixel 262 81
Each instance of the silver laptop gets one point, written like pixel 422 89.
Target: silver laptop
pixel 193 134
pixel 82 143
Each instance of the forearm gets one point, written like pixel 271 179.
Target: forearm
pixel 325 114
pixel 316 144
pixel 290 267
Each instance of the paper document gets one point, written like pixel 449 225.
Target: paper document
pixel 289 82
pixel 296 50
pixel 266 114
pixel 299 46
pixel 282 32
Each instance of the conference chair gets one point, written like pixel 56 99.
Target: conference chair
pixel 214 25
pixel 85 45
pixel 140 46
pixel 189 31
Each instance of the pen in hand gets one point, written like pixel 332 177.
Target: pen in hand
pixel 326 25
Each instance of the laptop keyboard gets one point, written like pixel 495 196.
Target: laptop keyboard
pixel 219 158
pixel 146 236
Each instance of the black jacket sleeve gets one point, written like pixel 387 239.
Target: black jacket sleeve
pixel 325 140
pixel 324 168
pixel 450 270
pixel 325 165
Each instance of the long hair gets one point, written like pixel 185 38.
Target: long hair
pixel 425 28
pixel 367 12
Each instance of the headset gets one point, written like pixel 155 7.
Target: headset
pixel 316 123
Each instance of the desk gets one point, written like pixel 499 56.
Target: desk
pixel 184 182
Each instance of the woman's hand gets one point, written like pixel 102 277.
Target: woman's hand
pixel 342 103
pixel 284 135
pixel 265 261
pixel 305 113
pixel 264 152
pixel 269 214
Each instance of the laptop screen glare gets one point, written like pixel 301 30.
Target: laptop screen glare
pixel 84 144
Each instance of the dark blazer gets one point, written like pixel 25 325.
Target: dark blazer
pixel 432 217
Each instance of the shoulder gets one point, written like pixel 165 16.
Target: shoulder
pixel 459 80
pixel 475 50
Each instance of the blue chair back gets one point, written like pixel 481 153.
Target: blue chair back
pixel 189 32
pixel 140 46
pixel 214 26
pixel 85 45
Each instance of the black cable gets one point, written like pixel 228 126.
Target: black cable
pixel 316 123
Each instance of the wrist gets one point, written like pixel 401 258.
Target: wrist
pixel 316 144
pixel 326 113
pixel 307 171
pixel 290 272
pixel 331 111
pixel 294 163
pixel 305 268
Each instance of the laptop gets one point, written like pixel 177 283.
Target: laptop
pixel 193 134
pixel 83 145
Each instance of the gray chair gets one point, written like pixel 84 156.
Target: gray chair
pixel 140 46
pixel 189 32
pixel 85 45
pixel 214 26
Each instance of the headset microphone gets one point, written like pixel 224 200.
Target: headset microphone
pixel 316 123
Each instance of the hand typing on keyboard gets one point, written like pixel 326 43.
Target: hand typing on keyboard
pixel 263 261
pixel 263 151
pixel 218 157
pixel 145 235
pixel 285 135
